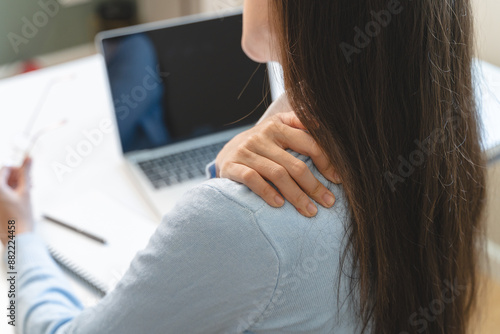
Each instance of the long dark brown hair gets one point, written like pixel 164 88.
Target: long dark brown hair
pixel 385 87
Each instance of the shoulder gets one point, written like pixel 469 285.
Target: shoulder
pixel 272 256
pixel 219 211
pixel 225 198
pixel 216 238
pixel 229 208
pixel 220 215
pixel 220 196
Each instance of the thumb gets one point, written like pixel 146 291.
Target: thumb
pixel 24 175
pixel 27 163
pixel 292 120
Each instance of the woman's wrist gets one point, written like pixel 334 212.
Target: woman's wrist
pixel 14 229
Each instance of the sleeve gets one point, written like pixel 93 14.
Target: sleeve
pixel 210 170
pixel 207 269
pixel 41 286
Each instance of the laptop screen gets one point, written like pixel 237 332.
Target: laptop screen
pixel 182 82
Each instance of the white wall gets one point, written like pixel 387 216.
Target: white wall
pixel 219 5
pixel 155 10
pixel 487 13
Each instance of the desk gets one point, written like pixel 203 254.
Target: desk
pixel 83 100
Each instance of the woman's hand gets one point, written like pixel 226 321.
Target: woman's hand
pixel 15 202
pixel 258 154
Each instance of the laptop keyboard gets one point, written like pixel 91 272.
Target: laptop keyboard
pixel 180 167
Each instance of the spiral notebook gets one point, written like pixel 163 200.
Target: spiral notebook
pixel 99 265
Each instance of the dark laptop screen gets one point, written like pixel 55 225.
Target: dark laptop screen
pixel 183 82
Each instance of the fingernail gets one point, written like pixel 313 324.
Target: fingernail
pixel 279 200
pixel 328 199
pixel 312 209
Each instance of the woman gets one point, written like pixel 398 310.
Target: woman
pixel 391 106
pixel 384 87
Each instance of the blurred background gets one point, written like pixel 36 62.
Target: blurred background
pixel 487 14
pixel 40 33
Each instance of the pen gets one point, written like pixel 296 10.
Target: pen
pixel 75 229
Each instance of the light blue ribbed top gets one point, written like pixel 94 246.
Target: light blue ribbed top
pixel 222 261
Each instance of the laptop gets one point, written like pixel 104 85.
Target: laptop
pixel 181 89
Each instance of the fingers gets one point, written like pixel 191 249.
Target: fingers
pixel 259 154
pixel 290 119
pixel 300 172
pixel 24 174
pixel 302 175
pixel 280 177
pixel 303 143
pixel 253 180
pixel 27 162
pixel 5 188
pixel 19 178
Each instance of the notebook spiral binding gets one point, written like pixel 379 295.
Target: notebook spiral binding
pixel 63 261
